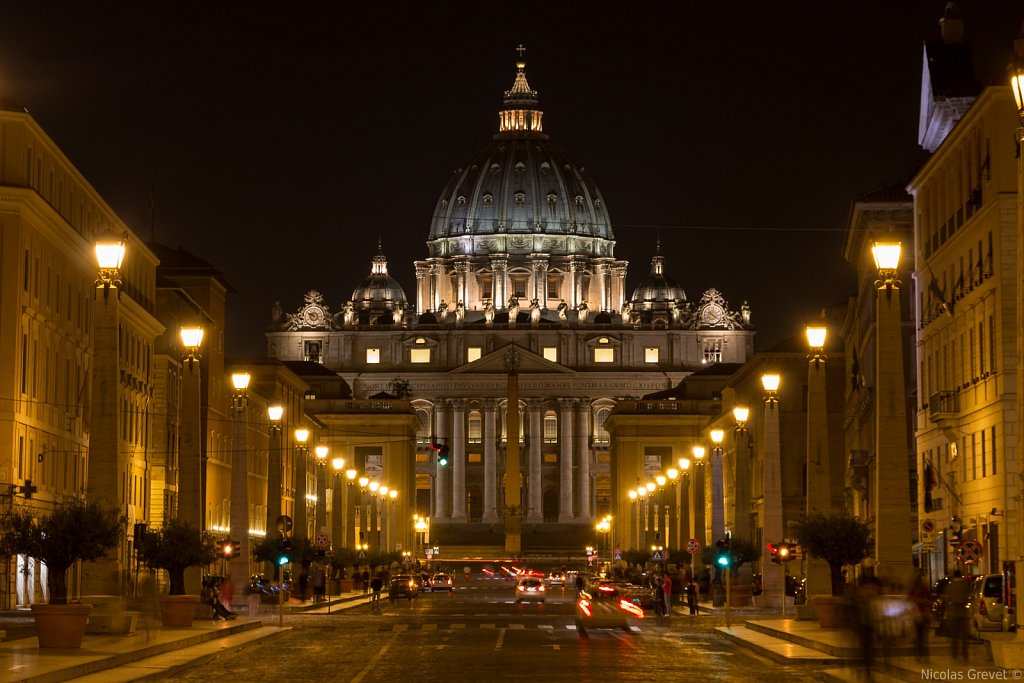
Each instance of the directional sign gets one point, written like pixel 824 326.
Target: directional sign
pixel 656 556
pixel 322 539
pixel 361 555
pixel 693 546
pixel 617 553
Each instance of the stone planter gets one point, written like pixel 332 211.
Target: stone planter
pixel 61 626
pixel 830 611
pixel 739 595
pixel 178 610
pixel 346 586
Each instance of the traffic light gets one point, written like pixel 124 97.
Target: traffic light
pixel 442 453
pixel 284 553
pixel 724 558
pixel 228 549
pixel 782 552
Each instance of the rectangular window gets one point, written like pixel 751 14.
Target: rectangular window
pixel 550 429
pixel 473 353
pixel 604 355
pixel 712 351
pixel 474 457
pixel 981 348
pixel 553 283
pixel 994 452
pixel 419 355
pixel 519 288
pixel 651 354
pixel 984 456
pixel 550 353
pixel 373 355
pixel 550 457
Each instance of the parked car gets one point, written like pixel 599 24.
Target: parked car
pixel 988 605
pixel 422 583
pixel 402 586
pixel 426 587
pixel 441 582
pixel 530 589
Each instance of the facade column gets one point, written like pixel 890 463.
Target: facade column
pixel 191 492
pixel 603 277
pixel 499 286
pixel 741 487
pixel 717 495
pixel 337 509
pixel 698 503
pixel 458 450
pixel 535 514
pixel 239 513
pixel 274 477
pixel 539 267
pixel 441 505
pixel 565 511
pixel 461 276
pixel 350 513
pixel 577 266
pixel 422 286
pixel 619 285
pixel 436 269
pixel 300 514
pixel 491 437
pixel 586 507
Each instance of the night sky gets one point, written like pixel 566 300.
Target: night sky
pixel 282 144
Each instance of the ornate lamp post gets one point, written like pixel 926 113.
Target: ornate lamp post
pixel 274 467
pixel 700 525
pixel 337 502
pixel 772 575
pixel 239 516
pixel 893 561
pixel 819 482
pixel 741 484
pixel 190 483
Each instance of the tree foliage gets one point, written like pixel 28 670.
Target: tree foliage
pixel 175 547
pixel 837 539
pixel 76 530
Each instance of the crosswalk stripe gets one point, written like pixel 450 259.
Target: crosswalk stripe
pixel 428 627
pixel 458 626
pixel 516 627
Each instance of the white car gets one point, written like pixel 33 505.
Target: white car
pixel 556 579
pixel 440 582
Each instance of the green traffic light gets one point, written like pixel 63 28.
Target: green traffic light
pixel 723 560
pixel 282 561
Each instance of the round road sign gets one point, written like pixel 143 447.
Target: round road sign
pixel 693 546
pixel 322 539
pixel 970 551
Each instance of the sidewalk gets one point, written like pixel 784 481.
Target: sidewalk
pixel 152 648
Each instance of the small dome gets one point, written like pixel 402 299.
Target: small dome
pixel 379 291
pixel 657 288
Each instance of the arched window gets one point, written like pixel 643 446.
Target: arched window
pixel 423 428
pixel 475 429
pixel 601 436
pixel 550 427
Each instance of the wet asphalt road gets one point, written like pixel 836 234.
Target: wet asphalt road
pixel 477 633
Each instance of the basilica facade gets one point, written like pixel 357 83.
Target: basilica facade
pixel 520 280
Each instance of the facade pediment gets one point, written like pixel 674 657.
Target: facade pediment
pixel 502 360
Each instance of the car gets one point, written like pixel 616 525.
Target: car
pixel 939 607
pixel 592 613
pixel 422 583
pixel 988 605
pixel 616 589
pixel 556 578
pixel 402 586
pixel 530 589
pixel 441 582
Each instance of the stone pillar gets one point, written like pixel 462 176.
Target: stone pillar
pixel 337 508
pixel 458 449
pixel 717 495
pixel 603 277
pixel 535 490
pixel 539 269
pixel 819 490
pixel 893 560
pixel 441 504
pixel 565 511
pixel 513 512
pixel 577 267
pixel 423 286
pixel 619 284
pixel 698 504
pixel 436 272
pixel 274 477
pixel 300 518
pixel 191 492
pixel 586 507
pixel 491 437
pixel 741 504
pixel 772 574
pixel 239 515
pixel 351 496
pixel 461 286
pixel 683 501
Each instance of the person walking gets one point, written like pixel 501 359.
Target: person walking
pixel 921 596
pixel 691 595
pixel 377 584
pixel 365 578
pixel 317 578
pixel 957 595
pixel 666 588
pixel 659 597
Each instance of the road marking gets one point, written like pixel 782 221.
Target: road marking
pixel 501 637
pixel 545 626
pixel 517 627
pixel 486 625
pixel 557 647
pixel 428 627
pixel 458 626
pixel 373 661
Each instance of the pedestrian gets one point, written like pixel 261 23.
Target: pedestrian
pixel 227 592
pixel 659 598
pixel 211 596
pixel 957 595
pixel 377 584
pixel 365 578
pixel 921 597
pixel 579 584
pixel 691 595
pixel 667 591
pixel 253 596
pixel 303 582
pixel 864 619
pixel 317 578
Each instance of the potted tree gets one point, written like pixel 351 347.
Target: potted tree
pixel 837 539
pixel 75 530
pixel 174 548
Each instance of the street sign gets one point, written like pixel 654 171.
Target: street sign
pixel 322 539
pixel 430 553
pixel 656 556
pixel 361 555
pixel 284 524
pixel 437 551
pixel 970 551
pixel 693 546
pixel 618 554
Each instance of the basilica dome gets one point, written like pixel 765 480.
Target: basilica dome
pixel 378 290
pixel 520 185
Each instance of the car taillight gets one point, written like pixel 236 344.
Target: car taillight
pixel 982 607
pixel 605 589
pixel 540 588
pixel 635 610
pixel 584 606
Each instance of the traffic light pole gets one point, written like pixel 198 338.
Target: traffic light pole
pixel 728 590
pixel 280 600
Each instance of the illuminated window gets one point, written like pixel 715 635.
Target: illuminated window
pixel 604 355
pixel 550 428
pixel 651 354
pixel 372 355
pixel 712 351
pixel 519 287
pixel 551 353
pixel 602 434
pixel 475 431
pixel 473 353
pixel 419 355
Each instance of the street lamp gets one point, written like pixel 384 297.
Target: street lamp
pixel 109 256
pixel 300 511
pixel 893 538
pixel 320 511
pixel 818 495
pixel 275 469
pixel 191 340
pixel 697 486
pixel 337 509
pixel 350 508
pixel 240 382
